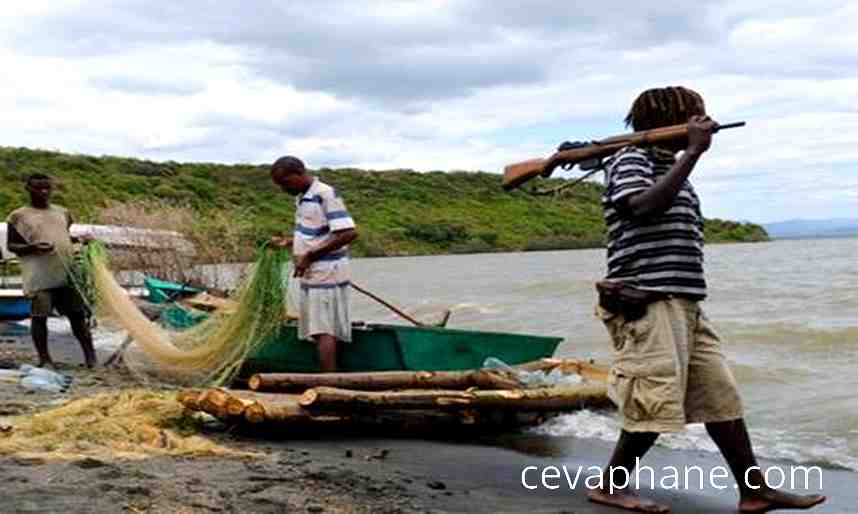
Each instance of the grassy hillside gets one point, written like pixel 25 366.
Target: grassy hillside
pixel 399 212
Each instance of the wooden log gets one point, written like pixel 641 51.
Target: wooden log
pixel 283 409
pixel 587 370
pixel 213 401
pixel 385 380
pixel 546 364
pixel 536 400
pixel 235 406
pixel 189 398
pixel 254 413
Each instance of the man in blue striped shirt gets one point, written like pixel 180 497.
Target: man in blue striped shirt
pixel 323 231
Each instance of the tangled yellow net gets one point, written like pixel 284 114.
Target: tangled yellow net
pixel 210 353
pixel 130 423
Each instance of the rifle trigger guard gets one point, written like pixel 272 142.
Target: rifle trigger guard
pixel 570 145
pixel 584 165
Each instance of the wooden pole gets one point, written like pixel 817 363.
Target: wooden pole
pixel 377 381
pixel 116 357
pixel 389 306
pixel 534 400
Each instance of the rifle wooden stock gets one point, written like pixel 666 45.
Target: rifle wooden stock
pixel 517 174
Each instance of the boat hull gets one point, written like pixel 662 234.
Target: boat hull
pixel 393 347
pixel 14 308
pixel 378 347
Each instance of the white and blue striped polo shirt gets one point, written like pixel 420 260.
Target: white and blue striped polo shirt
pixel 319 212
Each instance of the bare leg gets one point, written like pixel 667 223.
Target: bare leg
pixel 754 495
pixel 630 447
pixel 327 345
pixel 39 332
pixel 80 329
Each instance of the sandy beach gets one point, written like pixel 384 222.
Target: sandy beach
pixel 337 472
pixel 332 474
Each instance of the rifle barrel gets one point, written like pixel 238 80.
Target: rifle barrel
pixel 731 125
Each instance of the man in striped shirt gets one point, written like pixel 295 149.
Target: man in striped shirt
pixel 323 231
pixel 668 368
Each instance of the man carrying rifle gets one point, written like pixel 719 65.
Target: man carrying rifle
pixel 668 368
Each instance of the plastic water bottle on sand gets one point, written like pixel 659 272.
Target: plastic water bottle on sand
pixel 40 379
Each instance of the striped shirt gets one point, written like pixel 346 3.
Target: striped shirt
pixel 319 212
pixel 663 252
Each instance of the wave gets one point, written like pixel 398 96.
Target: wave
pixel 807 336
pixel 769 444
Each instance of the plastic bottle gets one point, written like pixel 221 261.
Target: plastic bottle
pixel 40 383
pixel 53 376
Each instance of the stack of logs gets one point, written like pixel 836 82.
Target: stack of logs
pixel 402 398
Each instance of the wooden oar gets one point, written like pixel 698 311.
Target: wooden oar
pixel 389 306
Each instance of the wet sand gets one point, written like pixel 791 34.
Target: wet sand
pixel 348 475
pixel 333 472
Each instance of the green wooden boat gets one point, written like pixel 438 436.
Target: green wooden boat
pixel 396 347
pixel 374 347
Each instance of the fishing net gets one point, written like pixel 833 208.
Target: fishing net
pixel 130 423
pixel 209 353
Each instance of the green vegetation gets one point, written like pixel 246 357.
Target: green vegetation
pixel 399 212
pixel 725 231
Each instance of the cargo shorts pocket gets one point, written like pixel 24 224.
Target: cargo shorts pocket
pixel 627 336
pixel 643 392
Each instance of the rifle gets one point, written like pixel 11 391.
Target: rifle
pixel 588 156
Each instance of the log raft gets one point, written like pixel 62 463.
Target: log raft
pixel 480 399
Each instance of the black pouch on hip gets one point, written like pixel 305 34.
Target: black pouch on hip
pixel 630 302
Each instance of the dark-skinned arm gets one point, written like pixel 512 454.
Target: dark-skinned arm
pixel 16 244
pixel 338 239
pixel 663 193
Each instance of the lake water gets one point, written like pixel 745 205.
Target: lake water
pixel 787 311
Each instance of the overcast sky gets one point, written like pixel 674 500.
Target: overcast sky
pixel 470 84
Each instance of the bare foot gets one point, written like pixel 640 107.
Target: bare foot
pixel 766 500
pixel 626 500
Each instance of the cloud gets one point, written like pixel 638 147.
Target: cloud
pixel 443 84
pixel 141 86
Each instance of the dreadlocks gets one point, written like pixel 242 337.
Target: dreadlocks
pixel 662 107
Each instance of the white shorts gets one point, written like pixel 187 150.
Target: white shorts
pixel 321 310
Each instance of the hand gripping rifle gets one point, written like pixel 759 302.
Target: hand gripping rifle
pixel 588 156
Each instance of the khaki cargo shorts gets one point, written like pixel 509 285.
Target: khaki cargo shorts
pixel 668 369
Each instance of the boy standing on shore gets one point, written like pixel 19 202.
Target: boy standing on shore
pixel 39 235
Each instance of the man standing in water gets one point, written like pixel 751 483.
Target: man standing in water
pixel 39 235
pixel 668 368
pixel 323 231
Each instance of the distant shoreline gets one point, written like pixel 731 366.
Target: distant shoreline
pixel 813 236
pixel 398 212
